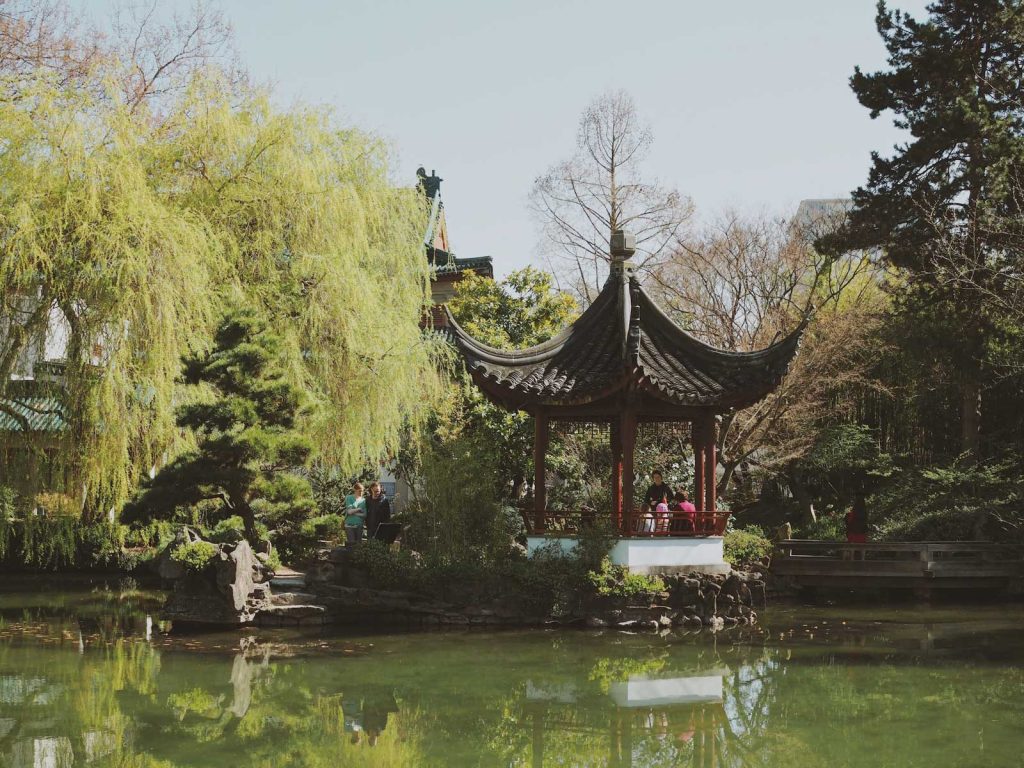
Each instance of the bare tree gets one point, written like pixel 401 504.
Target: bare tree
pixel 741 285
pixel 581 201
pixel 42 36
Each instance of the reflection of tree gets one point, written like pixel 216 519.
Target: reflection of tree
pixel 548 699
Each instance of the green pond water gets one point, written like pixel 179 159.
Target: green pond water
pixel 89 678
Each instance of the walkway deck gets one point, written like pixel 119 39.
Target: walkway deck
pixel 921 566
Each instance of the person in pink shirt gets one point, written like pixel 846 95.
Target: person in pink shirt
pixel 681 503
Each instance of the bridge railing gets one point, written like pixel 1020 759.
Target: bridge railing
pixel 910 559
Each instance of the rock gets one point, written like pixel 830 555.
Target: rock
pixel 230 591
pixel 291 615
pixel 596 623
pixel 167 569
pixel 664 621
pixel 293 598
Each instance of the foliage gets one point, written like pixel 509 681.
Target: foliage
pixel 519 311
pixel 960 501
pixel 617 581
pixel 746 546
pixel 299 544
pixel 946 207
pixel 48 542
pixel 136 219
pixel 195 555
pixel 457 512
pixel 388 568
pixel 8 499
pixel 827 527
pixel 247 440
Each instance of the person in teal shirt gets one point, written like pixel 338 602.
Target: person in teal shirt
pixel 355 515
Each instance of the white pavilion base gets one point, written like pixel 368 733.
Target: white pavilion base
pixel 661 555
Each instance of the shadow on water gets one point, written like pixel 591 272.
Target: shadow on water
pixel 88 677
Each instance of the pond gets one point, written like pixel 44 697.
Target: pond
pixel 88 678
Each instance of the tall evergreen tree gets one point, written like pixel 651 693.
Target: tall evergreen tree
pixel 247 443
pixel 946 206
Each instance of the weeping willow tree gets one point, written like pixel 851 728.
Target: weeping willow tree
pixel 135 226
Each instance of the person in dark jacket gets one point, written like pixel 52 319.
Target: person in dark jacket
pixel 378 509
pixel 659 492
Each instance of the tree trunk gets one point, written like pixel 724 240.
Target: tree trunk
pixel 728 470
pixel 252 535
pixel 803 498
pixel 970 413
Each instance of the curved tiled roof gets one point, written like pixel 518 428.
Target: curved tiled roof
pixel 624 341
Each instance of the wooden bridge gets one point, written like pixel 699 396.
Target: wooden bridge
pixel 921 566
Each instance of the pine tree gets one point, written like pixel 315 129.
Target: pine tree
pixel 946 207
pixel 247 443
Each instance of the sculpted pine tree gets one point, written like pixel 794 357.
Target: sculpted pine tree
pixel 247 442
pixel 946 205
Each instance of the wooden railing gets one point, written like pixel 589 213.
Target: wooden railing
pixel 637 524
pixel 953 564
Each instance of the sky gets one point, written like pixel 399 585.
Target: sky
pixel 749 101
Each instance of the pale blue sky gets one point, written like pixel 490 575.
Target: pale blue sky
pixel 748 100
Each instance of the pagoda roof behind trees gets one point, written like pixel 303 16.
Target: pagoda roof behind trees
pixel 624 346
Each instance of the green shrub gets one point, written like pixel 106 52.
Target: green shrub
pixel 230 530
pixel 825 528
pixel 49 543
pixel 195 555
pixel 616 581
pixel 8 500
pixel 952 503
pixel 389 569
pixel 326 527
pixel 745 546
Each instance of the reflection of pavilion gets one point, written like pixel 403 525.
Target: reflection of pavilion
pixel 670 719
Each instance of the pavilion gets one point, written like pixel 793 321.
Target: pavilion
pixel 624 362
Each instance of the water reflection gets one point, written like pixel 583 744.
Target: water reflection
pixel 659 719
pixel 79 688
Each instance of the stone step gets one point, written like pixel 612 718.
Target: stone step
pixel 291 615
pixel 292 598
pixel 290 582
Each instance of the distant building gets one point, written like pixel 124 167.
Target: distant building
pixel 448 269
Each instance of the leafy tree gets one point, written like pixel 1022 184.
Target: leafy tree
pixel 519 311
pixel 946 205
pixel 129 222
pixel 247 441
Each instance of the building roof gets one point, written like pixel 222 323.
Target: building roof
pixel 435 237
pixel 624 345
pixel 32 406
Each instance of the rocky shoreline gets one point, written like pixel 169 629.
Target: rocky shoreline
pixel 237 589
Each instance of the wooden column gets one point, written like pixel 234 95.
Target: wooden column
pixel 711 466
pixel 540 449
pixel 697 443
pixel 705 463
pixel 628 438
pixel 616 445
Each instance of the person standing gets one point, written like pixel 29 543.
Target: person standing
pixel 355 515
pixel 658 493
pixel 378 509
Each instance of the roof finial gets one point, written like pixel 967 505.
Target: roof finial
pixel 623 245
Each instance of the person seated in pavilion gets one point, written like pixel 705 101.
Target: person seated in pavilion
pixel 685 517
